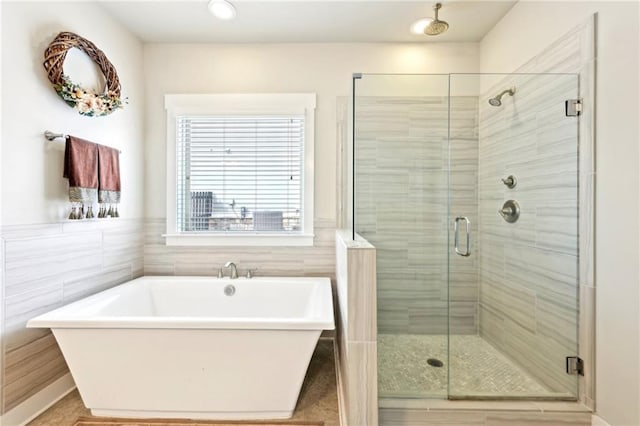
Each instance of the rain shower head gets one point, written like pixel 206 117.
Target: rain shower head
pixel 497 100
pixel 436 26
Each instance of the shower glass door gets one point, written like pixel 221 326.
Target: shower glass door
pixel 401 163
pixel 513 297
pixel 467 186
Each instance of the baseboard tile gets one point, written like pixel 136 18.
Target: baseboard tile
pixel 38 403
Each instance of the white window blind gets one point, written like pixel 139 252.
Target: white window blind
pixel 240 174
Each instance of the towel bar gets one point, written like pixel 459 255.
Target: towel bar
pixel 50 136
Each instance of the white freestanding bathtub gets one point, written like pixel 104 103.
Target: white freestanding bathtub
pixel 182 347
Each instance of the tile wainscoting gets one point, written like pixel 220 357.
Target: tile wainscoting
pixel 44 267
pixel 318 260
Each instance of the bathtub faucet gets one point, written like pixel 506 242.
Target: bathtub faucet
pixel 234 270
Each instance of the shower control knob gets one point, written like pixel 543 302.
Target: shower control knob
pixel 510 211
pixel 507 211
pixel 510 181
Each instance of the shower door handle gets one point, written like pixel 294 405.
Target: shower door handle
pixel 456 239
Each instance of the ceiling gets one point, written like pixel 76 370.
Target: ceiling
pixel 302 21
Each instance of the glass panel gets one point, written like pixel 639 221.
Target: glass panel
pixel 513 313
pixel 401 163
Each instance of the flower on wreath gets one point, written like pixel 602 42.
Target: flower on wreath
pixel 86 102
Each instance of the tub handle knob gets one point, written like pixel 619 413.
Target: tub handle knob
pixel 220 273
pixel 251 272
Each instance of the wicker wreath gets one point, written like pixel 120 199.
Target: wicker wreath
pixel 86 102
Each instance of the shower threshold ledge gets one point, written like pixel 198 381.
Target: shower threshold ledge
pixel 483 405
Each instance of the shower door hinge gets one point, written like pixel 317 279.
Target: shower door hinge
pixel 575 365
pixel 573 107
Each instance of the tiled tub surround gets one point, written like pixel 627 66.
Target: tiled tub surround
pixel 47 266
pixel 402 155
pixel 318 260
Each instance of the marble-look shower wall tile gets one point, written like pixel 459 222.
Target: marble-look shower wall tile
pixel 491 324
pixel 402 200
pixel 529 282
pixel 529 269
pixel 46 266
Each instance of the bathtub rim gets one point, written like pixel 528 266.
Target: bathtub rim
pixel 60 318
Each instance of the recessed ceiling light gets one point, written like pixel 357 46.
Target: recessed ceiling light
pixel 222 9
pixel 419 26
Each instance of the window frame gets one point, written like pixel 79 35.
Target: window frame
pixel 240 104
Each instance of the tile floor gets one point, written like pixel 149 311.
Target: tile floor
pixel 477 369
pixel 318 399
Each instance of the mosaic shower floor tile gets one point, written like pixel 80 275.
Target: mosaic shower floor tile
pixel 477 369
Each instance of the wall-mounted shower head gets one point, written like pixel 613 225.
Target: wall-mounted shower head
pixel 497 100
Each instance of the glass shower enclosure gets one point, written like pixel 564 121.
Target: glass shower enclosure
pixel 467 185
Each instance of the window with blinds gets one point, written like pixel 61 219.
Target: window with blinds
pixel 240 174
pixel 240 169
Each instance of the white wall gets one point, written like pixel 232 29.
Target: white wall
pixel 33 188
pixel 325 69
pixel 520 35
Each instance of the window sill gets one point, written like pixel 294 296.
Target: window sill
pixel 256 240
